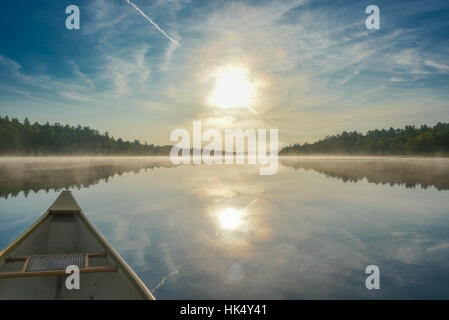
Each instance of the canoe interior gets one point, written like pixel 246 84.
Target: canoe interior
pixel 66 233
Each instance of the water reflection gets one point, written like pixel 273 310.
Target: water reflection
pixel 230 218
pixel 31 174
pixel 34 174
pixel 225 232
pixel 412 173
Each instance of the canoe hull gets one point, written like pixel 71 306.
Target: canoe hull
pixel 68 232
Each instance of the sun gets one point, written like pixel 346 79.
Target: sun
pixel 233 89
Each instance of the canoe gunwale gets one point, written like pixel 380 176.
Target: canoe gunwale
pixel 120 262
pixel 24 235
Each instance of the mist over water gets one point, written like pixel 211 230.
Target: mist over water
pixel 59 173
pixel 409 172
pixel 224 231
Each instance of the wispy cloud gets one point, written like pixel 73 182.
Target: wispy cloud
pixel 397 79
pixel 439 66
pixel 319 69
pixel 168 55
pixel 128 72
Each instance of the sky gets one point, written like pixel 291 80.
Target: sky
pixel 309 68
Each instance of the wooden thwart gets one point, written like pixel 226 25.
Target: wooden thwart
pixel 41 273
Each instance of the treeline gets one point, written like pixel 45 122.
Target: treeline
pixel 18 138
pixel 24 138
pixel 410 140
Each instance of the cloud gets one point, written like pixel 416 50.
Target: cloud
pixel 40 85
pixel 304 56
pixel 441 246
pixel 77 97
pixel 439 66
pixel 128 72
pixel 317 67
pixel 397 79
pixel 105 17
pixel 15 69
pixel 168 55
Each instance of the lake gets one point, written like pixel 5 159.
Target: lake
pixel 225 232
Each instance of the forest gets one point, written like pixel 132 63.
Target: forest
pixel 24 138
pixel 410 140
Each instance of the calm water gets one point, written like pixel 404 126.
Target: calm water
pixel 219 232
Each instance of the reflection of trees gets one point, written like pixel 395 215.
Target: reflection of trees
pixel 27 176
pixel 412 173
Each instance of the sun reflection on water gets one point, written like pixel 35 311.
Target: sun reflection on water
pixel 230 218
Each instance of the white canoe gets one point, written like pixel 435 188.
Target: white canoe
pixel 34 265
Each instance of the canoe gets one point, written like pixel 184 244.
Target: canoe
pixel 34 265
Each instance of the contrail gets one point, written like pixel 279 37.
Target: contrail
pixel 163 280
pixel 153 23
pixel 251 203
pixel 251 109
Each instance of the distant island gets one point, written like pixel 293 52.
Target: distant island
pixel 18 138
pixel 410 140
pixel 26 139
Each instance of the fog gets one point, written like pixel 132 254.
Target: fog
pixel 411 172
pixel 32 174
